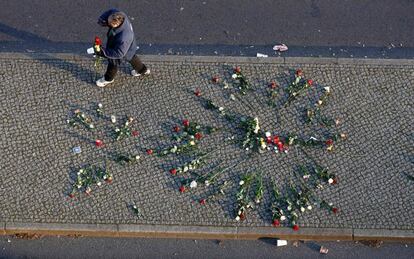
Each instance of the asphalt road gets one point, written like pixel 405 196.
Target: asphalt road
pixel 336 28
pixel 64 247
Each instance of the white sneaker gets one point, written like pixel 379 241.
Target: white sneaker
pixel 135 73
pixel 102 82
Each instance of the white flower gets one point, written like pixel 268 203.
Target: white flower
pixel 68 121
pixel 302 209
pixel 232 97
pixel 320 102
pixel 105 176
pixel 309 207
pixel 238 218
pixel 241 182
pixel 100 105
pixel 289 208
pixel 239 212
pixel 117 130
pixel 137 157
pixel 226 85
pixel 234 76
pixel 282 218
pixel 257 201
pixel 174 149
pixel 327 89
pixel 247 149
pixel 113 118
pixel 192 143
pixel 193 184
pixel 313 138
pixel 91 126
pixel 185 169
pixel 207 183
pixel 99 183
pixel 126 123
pixel 267 134
pixel 330 181
pixel 330 204
pixel 221 109
pixel 79 186
pixel 306 176
pixel 257 127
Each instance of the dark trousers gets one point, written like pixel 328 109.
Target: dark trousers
pixel 112 68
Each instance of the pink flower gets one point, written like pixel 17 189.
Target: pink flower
pixel 150 151
pixel 310 82
pixel 237 70
pixel 135 133
pixel 197 92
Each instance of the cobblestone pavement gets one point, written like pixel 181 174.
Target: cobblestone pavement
pixel 373 103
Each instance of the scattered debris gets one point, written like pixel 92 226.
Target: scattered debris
pixel 323 250
pixel 27 236
pixel 372 243
pixel 280 48
pixel 281 242
pixel 295 243
pixel 260 55
pixel 77 150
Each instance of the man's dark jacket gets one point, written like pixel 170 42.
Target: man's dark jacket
pixel 121 43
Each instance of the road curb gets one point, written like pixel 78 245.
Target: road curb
pixel 221 59
pixel 204 232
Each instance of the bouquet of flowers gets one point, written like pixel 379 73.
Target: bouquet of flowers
pixel 243 200
pixel 88 176
pixel 125 130
pixel 313 114
pixel 194 164
pixel 241 80
pixel 297 86
pixel 81 119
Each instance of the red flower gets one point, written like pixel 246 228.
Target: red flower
pixel 215 79
pixel 237 70
pixel 71 195
pixel 329 142
pixel 182 188
pixel 273 85
pixel 198 135
pixel 310 82
pixel 280 146
pixel 186 123
pixel 276 223
pixel 203 201
pixel 197 92
pixel 176 129
pixel 242 216
pixel 295 227
pixel 269 140
pixel 135 133
pixel 173 171
pixel 150 151
pixel 276 140
pixel 335 210
pixel 98 41
pixel 99 143
pixel 299 72
pixel 335 181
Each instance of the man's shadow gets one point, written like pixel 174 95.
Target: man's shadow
pixel 28 40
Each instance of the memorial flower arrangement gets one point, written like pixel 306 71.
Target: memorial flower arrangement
pixel 240 80
pixel 87 177
pixel 80 118
pixel 297 86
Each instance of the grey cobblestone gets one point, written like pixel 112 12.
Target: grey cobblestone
pixel 373 102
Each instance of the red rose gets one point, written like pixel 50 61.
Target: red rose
pixel 273 85
pixel 150 151
pixel 99 143
pixel 182 188
pixel 242 216
pixel 186 123
pixel 98 41
pixel 295 227
pixel 173 171
pixel 237 70
pixel 299 72
pixel 280 146
pixel 135 133
pixel 335 181
pixel 310 82
pixel 276 140
pixel 215 79
pixel 198 135
pixel 276 223
pixel 203 201
pixel 329 142
pixel 335 210
pixel 269 140
pixel 197 92
pixel 176 129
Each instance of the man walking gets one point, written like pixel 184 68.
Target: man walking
pixel 120 45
